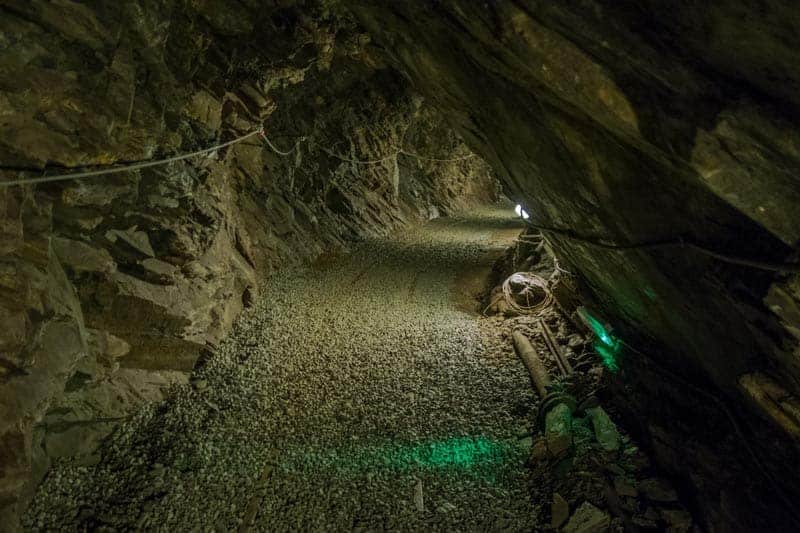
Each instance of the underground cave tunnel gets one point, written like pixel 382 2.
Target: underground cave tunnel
pixel 414 266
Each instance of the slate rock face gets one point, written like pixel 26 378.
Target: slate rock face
pixel 111 287
pixel 619 122
pixel 639 123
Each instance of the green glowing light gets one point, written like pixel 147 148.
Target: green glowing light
pixel 460 453
pixel 607 346
pixel 598 328
pixel 456 452
pixel 608 354
pixel 650 293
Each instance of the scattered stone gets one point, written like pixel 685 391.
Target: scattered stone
pixel 446 507
pixel 199 384
pixel 658 490
pixel 625 487
pixel 637 461
pixel 615 469
pixel 679 521
pixel 526 444
pixel 630 504
pixel 651 513
pixel 605 431
pixel 419 502
pixel 575 340
pixel 365 401
pixel 588 519
pixel 539 450
pixel 559 511
pixel 643 521
pixel 558 430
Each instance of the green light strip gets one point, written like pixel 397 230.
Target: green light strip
pixel 607 346
pixel 464 453
pixel 608 354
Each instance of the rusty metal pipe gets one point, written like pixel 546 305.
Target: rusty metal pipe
pixel 555 349
pixel 556 408
pixel 539 376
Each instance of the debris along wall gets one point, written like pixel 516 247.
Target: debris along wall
pixel 111 287
pixel 643 122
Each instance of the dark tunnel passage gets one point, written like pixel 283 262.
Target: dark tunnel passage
pixel 437 265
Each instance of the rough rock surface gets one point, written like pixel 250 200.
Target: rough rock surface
pixel 642 122
pixel 596 482
pixel 113 286
pixel 619 122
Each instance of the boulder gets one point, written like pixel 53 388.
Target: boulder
pixel 678 520
pixel 658 490
pixel 605 431
pixel 625 487
pixel 558 430
pixel 588 519
pixel 559 511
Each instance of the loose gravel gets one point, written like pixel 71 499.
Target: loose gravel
pixel 354 395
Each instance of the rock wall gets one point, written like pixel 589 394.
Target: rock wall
pixel 112 287
pixel 642 122
pixel 616 121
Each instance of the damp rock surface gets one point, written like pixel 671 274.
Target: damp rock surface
pixel 354 394
pixel 164 258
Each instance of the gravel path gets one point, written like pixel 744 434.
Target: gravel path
pixel 354 395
